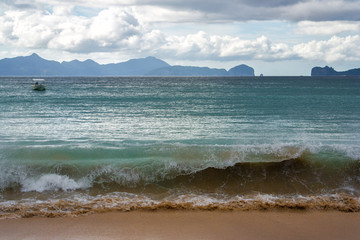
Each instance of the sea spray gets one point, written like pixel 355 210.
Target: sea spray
pixel 52 182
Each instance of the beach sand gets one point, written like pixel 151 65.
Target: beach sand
pixel 188 225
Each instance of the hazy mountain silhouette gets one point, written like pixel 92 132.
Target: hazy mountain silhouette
pixel 31 65
pixel 34 65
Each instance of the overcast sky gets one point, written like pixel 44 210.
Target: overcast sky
pixel 276 37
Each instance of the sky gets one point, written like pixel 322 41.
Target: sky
pixel 275 37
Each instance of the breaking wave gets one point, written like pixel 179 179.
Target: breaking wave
pixel 61 181
pixel 229 169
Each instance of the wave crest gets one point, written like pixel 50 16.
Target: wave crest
pixel 232 169
pixel 52 182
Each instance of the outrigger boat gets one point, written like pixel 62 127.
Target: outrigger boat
pixel 39 84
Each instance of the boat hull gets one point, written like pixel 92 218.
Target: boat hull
pixel 39 87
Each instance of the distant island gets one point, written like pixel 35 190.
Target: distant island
pixel 34 65
pixel 329 71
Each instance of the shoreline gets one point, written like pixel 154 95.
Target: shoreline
pixel 187 224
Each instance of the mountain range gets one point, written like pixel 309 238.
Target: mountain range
pixel 329 71
pixel 34 65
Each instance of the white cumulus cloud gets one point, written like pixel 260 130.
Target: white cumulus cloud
pixel 204 46
pixel 112 28
pixel 332 50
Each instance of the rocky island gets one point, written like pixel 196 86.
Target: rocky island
pixel 329 71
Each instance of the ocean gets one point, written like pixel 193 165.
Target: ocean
pixel 95 144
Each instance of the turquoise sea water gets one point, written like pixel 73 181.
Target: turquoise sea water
pixel 155 142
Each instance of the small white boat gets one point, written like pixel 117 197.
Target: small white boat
pixel 39 84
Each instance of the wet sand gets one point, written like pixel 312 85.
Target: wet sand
pixel 188 225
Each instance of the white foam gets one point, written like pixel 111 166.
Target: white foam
pixel 52 182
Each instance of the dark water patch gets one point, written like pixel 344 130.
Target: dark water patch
pixel 295 176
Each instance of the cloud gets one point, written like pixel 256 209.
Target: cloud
pixel 219 10
pixel 204 46
pixel 322 10
pixel 326 28
pixel 112 28
pixel 24 30
pixel 333 50
pixel 129 31
pixel 245 10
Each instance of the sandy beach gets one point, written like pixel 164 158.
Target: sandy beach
pixel 188 225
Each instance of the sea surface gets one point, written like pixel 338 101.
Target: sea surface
pixel 95 144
